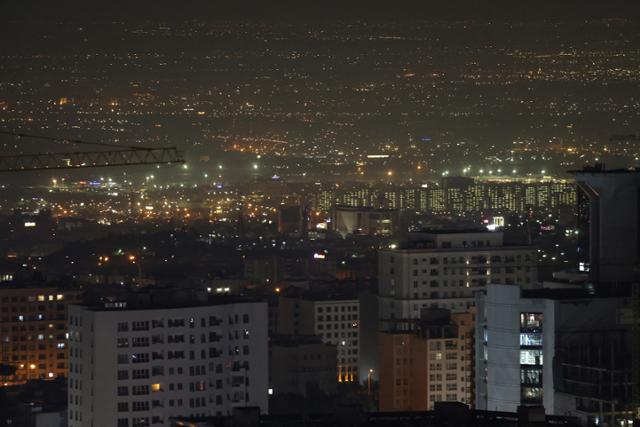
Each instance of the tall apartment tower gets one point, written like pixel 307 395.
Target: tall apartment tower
pixel 138 364
pixel 442 269
pixel 614 241
pixel 614 229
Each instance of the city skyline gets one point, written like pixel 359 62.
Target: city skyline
pixel 293 213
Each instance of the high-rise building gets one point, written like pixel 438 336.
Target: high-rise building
pixel 33 331
pixel 443 269
pixel 140 362
pixel 333 316
pixel 611 219
pixel 431 363
pixel 457 196
pixel 565 349
pixel 614 230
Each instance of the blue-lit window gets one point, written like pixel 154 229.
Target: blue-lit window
pixel 530 339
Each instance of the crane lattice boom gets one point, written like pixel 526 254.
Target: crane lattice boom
pixel 91 159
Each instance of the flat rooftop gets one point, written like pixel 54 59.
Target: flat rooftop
pixel 169 299
pixel 600 169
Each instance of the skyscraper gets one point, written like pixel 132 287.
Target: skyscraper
pixel 614 230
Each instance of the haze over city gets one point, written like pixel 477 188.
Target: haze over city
pixel 272 206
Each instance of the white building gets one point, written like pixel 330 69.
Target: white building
pixel 564 348
pixel 515 349
pixel 443 269
pixel 135 365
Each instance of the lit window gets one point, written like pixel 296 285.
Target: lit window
pixel 531 357
pixel 156 387
pixel 59 297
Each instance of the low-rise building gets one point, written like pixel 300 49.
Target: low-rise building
pixel 301 363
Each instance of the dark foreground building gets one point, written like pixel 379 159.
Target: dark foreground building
pixel 444 415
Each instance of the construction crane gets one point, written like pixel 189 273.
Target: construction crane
pixel 117 156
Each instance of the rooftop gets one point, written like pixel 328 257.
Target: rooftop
pixel 599 168
pixel 445 414
pixel 363 209
pixel 453 230
pixel 165 298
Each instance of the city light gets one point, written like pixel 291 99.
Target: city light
pixel 403 207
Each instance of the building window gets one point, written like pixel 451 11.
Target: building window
pixel 138 390
pixel 140 422
pixel 531 358
pixel 140 406
pixel 140 326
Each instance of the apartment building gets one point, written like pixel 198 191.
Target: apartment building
pixel 33 331
pixel 431 363
pixel 444 268
pixel 334 316
pixel 138 363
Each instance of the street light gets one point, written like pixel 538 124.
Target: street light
pixel 369 374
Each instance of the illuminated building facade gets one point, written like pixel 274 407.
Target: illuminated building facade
pixel 456 196
pixel 33 332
